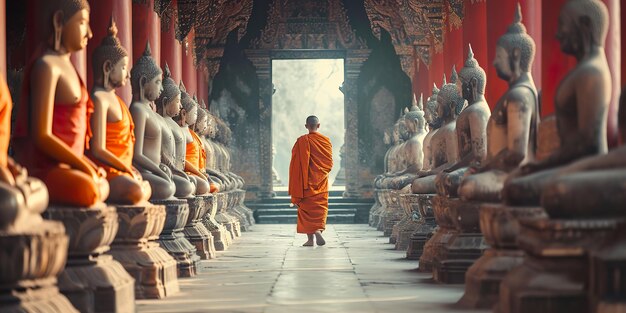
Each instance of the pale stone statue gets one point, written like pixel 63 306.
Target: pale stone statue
pixel 581 102
pixel 444 147
pixel 146 82
pixel 512 127
pixel 113 140
pixel 172 139
pixel 391 157
pixel 434 122
pixel 471 127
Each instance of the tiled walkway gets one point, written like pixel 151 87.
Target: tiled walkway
pixel 267 270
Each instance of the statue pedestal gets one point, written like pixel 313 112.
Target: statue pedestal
pixel 195 231
pixel 375 210
pixel 393 214
pixel 92 280
pixel 462 249
pixel 382 212
pixel 233 210
pixel 173 240
pixel 224 218
pixel 408 224
pixel 608 284
pixel 29 265
pixel 555 273
pixel 220 235
pixel 425 226
pixel 135 247
pixel 245 213
pixel 443 233
pixel 499 225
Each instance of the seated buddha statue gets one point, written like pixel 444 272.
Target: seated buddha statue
pixel 512 126
pixel 392 164
pixel 199 129
pixel 188 116
pixel 52 127
pixel 113 140
pixel 433 122
pixel 471 127
pixel 443 144
pixel 581 102
pixel 211 154
pixel 172 139
pixel 146 82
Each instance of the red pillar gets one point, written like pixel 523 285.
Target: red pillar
pixel 171 49
pixel 613 50
pixel 203 83
pixel 623 25
pixel 190 76
pixel 531 17
pixel 146 27
pixel 500 17
pixel 436 70
pixel 453 45
pixel 475 33
pixel 100 18
pixel 3 39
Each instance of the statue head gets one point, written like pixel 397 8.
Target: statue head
pixel 515 50
pixel 473 78
pixel 582 23
pixel 414 118
pixel 201 122
pixel 386 137
pixel 168 103
pixel 211 130
pixel 110 61
pixel 70 24
pixel 145 77
pixel 189 112
pixel 449 101
pixel 431 113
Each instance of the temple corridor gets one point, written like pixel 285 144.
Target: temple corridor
pixel 268 271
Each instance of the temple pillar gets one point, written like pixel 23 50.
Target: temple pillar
pixel 475 34
pixel 171 49
pixel 146 27
pixel 436 69
pixel 453 47
pixel 189 71
pixel 500 16
pixel 203 82
pixel 611 47
pixel 531 17
pixel 121 14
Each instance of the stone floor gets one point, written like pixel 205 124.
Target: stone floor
pixel 267 270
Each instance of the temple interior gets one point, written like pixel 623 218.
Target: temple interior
pixel 478 147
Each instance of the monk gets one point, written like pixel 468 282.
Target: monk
pixel 311 161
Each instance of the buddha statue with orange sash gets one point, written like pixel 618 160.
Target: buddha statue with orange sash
pixel 113 139
pixel 52 128
pixel 197 130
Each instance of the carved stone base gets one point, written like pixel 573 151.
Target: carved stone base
pixel 499 224
pixel 555 273
pixel 173 240
pixel 608 281
pixel 229 222
pixel 394 213
pixel 425 225
pixel 92 281
pixel 195 231
pixel 29 264
pixel 234 211
pixel 220 240
pixel 245 213
pixel 375 210
pixel 442 235
pixel 135 247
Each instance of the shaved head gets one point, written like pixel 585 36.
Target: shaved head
pixel 312 120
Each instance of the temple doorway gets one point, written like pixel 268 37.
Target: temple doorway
pixel 304 87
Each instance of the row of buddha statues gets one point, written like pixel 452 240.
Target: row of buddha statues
pixel 102 202
pixel 484 197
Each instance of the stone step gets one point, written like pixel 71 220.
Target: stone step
pixel 294 211
pixel 292 219
pixel 331 206
pixel 331 193
pixel 335 199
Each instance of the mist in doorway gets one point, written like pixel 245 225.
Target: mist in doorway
pixel 303 88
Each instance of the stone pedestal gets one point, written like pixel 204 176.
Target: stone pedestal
pixel 195 231
pixel 383 197
pixel 425 226
pixel 221 237
pixel 555 273
pixel 92 280
pixel 135 247
pixel 222 216
pixel 444 232
pixel 608 280
pixel 240 207
pixel 375 210
pixel 408 224
pixel 234 211
pixel 29 264
pixel 464 248
pixel 500 227
pixel 393 213
pixel 173 240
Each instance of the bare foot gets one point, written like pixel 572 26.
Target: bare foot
pixel 319 239
pixel 309 243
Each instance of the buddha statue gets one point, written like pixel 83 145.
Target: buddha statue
pixel 199 128
pixel 112 143
pixel 443 144
pixel 146 82
pixel 391 156
pixel 172 139
pixel 211 160
pixel 52 124
pixel 188 116
pixel 411 151
pixel 433 122
pixel 512 127
pixel 471 127
pixel 581 102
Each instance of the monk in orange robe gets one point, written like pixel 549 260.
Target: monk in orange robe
pixel 311 162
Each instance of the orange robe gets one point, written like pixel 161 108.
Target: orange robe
pixel 196 155
pixel 120 141
pixel 311 162
pixel 5 121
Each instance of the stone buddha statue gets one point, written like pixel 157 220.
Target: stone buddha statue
pixel 52 125
pixel 581 102
pixel 188 116
pixel 471 127
pixel 200 128
pixel 433 122
pixel 146 82
pixel 391 157
pixel 113 139
pixel 411 151
pixel 172 139
pixel 444 148
pixel 512 126
pixel 209 146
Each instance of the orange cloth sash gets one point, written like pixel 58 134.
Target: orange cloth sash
pixel 120 140
pixel 193 150
pixel 311 162
pixel 5 121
